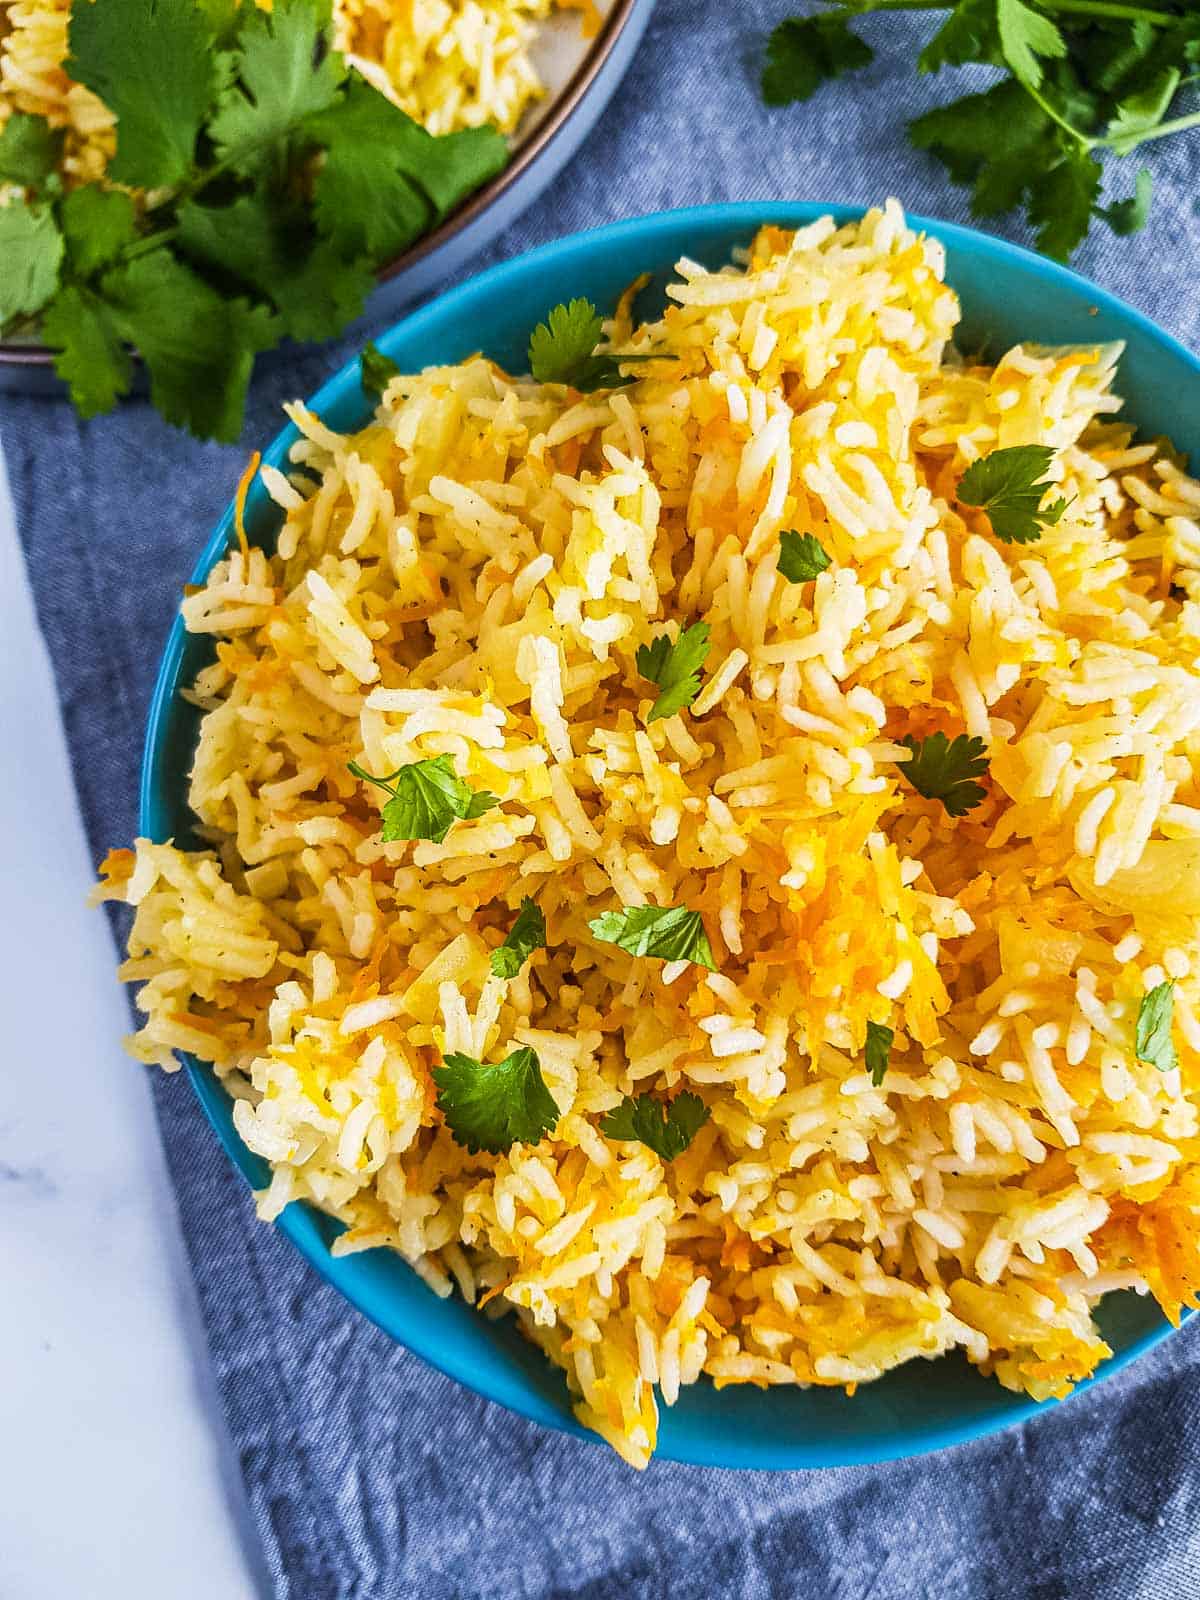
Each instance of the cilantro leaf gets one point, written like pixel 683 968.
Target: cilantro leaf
pixel 427 798
pixel 1061 202
pixel 384 179
pixel 943 769
pixel 153 66
pixel 563 350
pixel 666 1129
pixel 801 556
pixel 1009 486
pixel 265 243
pixel 198 346
pixel 1141 112
pixel 878 1050
pixel 668 933
pixel 31 249
pixel 277 84
pixel 564 341
pixel 972 132
pixel 324 293
pixel 377 369
pixel 1130 215
pixel 969 33
pixel 802 52
pixel 90 356
pixel 527 934
pixel 675 667
pixel 1026 35
pixel 494 1107
pixel 1152 1038
pixel 30 149
pixel 97 224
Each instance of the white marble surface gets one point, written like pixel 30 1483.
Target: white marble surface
pixel 116 1478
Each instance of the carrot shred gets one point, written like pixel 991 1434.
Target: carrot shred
pixel 239 501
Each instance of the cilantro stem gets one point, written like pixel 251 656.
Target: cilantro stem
pixel 1104 9
pixel 1164 128
pixel 151 241
pixel 386 784
pixel 1086 141
pixel 1109 9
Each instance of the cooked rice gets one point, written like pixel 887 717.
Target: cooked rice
pixel 448 63
pixel 471 574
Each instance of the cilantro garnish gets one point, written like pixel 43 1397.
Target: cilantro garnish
pixel 1008 485
pixel 280 182
pixel 527 934
pixel 669 933
pixel 665 1129
pixel 1152 1038
pixel 674 665
pixel 377 369
pixel 427 798
pixel 153 65
pixel 802 556
pixel 563 350
pixel 879 1045
pixel 493 1107
pixel 29 149
pixel 944 769
pixel 31 248
pixel 1085 79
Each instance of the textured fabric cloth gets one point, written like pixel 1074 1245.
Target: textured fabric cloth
pixel 370 1476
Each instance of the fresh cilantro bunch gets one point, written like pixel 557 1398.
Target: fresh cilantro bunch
pixel 274 181
pixel 1083 78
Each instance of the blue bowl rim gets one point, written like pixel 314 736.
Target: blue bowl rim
pixel 639 231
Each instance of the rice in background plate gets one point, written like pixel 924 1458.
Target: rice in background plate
pixel 471 575
pixel 449 64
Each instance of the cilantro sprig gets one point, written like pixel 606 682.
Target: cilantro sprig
pixel 878 1050
pixel 666 1129
pixel 427 799
pixel 376 369
pixel 668 933
pixel 563 350
pixel 492 1107
pixel 674 665
pixel 802 556
pixel 1152 1041
pixel 1085 79
pixel 527 934
pixel 945 769
pixel 1008 484
pixel 278 182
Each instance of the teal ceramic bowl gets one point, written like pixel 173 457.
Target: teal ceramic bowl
pixel 1008 295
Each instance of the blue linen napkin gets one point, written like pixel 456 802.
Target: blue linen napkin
pixel 370 1476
